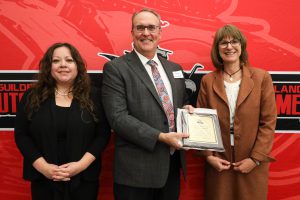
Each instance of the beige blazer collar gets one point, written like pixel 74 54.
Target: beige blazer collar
pixel 246 86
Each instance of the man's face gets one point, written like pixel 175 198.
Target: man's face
pixel 146 40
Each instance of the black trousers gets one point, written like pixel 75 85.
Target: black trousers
pixel 46 190
pixel 169 192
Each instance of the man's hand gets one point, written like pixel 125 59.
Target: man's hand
pixel 173 139
pixel 190 108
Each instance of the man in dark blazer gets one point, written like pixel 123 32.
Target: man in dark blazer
pixel 145 166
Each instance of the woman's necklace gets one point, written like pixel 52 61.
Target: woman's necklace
pixel 62 93
pixel 230 75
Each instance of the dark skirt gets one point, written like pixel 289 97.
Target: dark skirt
pixel 48 190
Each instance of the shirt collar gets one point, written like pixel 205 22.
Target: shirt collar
pixel 144 60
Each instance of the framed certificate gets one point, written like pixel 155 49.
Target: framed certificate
pixel 203 128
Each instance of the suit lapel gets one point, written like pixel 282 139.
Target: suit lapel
pixel 246 86
pixel 136 65
pixel 218 86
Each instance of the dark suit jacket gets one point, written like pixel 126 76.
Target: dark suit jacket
pixel 37 137
pixel 136 114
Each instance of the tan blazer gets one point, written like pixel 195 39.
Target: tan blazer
pixel 254 126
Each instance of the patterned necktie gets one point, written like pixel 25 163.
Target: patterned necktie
pixel 163 95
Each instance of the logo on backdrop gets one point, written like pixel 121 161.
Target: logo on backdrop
pixel 287 94
pixel 11 93
pixel 286 87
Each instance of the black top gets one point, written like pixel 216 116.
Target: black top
pixel 61 114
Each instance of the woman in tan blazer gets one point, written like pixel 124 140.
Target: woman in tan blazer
pixel 245 102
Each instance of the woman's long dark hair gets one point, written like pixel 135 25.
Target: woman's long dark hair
pixel 44 88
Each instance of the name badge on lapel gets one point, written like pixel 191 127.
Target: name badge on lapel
pixel 178 74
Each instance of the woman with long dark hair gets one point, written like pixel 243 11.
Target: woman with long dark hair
pixel 61 129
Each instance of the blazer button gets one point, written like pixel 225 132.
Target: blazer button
pixel 237 136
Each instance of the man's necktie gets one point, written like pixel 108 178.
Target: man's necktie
pixel 163 95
